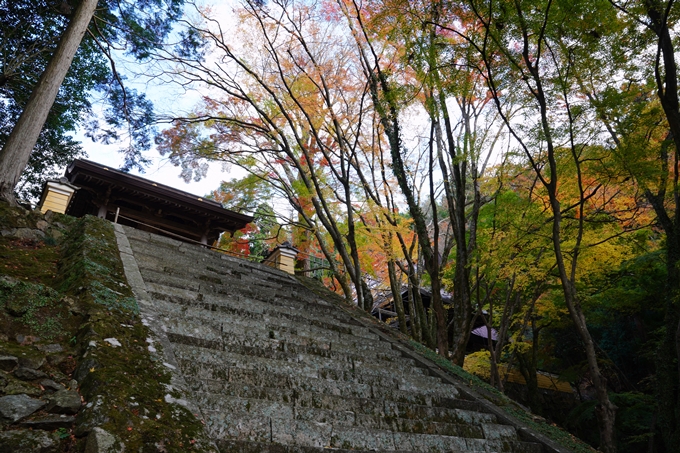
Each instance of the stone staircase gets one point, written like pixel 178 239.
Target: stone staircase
pixel 272 367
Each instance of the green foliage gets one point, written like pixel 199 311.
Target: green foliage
pixel 633 422
pixel 243 195
pixel 267 232
pixel 30 31
pixel 35 305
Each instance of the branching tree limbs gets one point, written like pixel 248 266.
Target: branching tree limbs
pixel 295 104
pixel 537 65
pixel 137 27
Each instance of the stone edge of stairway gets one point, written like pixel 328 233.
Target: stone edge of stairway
pixel 399 342
pixel 150 319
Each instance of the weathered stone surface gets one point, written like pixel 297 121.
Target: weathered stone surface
pixel 89 417
pixel 16 387
pixel 29 233
pixel 83 369
pixel 28 441
pixel 101 441
pixel 42 225
pixel 8 362
pixel 64 402
pixel 32 361
pixel 49 422
pixel 55 359
pixel 50 348
pixel 15 407
pixel 24 340
pixel 49 384
pixel 274 369
pixel 8 232
pixel 28 374
pixel 499 432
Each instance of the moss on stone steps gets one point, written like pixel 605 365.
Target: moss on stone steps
pixel 65 304
pixel 126 388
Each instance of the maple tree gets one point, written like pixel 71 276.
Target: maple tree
pixel 312 100
pixel 295 119
pixel 533 49
pixel 643 87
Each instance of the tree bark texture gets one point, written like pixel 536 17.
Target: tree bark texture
pixel 20 143
pixel 395 286
pixel 668 357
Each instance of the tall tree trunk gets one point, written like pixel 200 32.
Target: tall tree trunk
pixel 416 330
pixel 668 391
pixel 605 409
pixel 367 297
pixel 395 286
pixel 530 66
pixel 462 311
pixel 528 363
pixel 668 375
pixel 387 108
pixel 17 150
pixel 667 363
pixel 441 316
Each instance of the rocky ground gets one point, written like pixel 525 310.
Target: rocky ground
pixel 75 371
pixel 39 397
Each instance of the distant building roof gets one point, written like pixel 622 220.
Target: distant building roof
pixel 148 205
pixel 483 332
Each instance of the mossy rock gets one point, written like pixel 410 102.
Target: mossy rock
pixel 15 217
pixel 29 441
pixel 22 298
pixel 36 310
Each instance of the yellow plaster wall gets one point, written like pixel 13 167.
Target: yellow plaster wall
pixel 55 202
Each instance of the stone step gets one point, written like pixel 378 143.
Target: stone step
pixel 458 403
pixel 252 420
pixel 288 304
pixel 246 419
pixel 438 413
pixel 216 273
pixel 210 362
pixel 244 382
pixel 230 337
pixel 323 408
pixel 237 427
pixel 237 285
pixel 237 305
pixel 206 364
pixel 277 328
pixel 275 368
pixel 234 287
pixel 171 255
pixel 242 446
pixel 239 314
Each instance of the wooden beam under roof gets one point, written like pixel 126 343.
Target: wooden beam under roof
pixel 154 205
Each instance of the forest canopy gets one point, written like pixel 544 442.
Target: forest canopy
pixel 506 164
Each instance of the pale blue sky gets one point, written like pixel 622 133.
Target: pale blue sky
pixel 168 100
